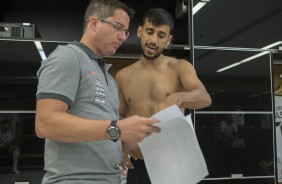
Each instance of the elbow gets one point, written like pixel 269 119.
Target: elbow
pixel 206 99
pixel 39 130
pixel 209 101
pixel 204 102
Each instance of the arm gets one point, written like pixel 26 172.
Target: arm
pixel 53 122
pixel 194 95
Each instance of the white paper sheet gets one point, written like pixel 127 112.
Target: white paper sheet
pixel 173 156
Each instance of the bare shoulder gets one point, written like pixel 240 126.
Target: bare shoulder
pixel 124 72
pixel 179 63
pixel 128 68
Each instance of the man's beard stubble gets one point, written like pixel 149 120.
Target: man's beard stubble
pixel 151 57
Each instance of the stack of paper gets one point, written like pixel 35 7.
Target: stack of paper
pixel 174 155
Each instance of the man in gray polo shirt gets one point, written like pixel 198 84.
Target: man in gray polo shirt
pixel 77 103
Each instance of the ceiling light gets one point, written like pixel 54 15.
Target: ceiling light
pixel 181 7
pixel 199 5
pixel 40 49
pixel 251 57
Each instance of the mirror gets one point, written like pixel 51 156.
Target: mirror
pixel 236 131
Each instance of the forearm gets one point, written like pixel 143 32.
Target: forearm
pixel 195 99
pixel 65 127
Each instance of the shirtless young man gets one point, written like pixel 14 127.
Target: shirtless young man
pixel 155 82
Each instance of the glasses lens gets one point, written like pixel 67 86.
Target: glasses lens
pixel 120 28
pixel 126 33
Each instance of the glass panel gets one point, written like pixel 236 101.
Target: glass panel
pixel 235 149
pixel 19 63
pixel 18 58
pixel 247 85
pixel 20 148
pixel 239 23
pixel 277 71
pixel 236 131
pixel 18 93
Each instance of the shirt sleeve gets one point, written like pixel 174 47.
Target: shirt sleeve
pixel 59 75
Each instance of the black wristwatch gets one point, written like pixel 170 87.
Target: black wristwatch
pixel 113 131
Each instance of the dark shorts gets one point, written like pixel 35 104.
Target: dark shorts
pixel 139 174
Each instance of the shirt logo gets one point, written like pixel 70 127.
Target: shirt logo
pixel 100 92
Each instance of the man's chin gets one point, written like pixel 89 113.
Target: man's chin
pixel 112 52
pixel 150 57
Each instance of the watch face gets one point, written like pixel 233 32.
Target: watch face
pixel 113 132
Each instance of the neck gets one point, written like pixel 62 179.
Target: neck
pixel 151 62
pixel 86 41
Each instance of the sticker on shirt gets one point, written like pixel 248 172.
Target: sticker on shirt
pixel 99 92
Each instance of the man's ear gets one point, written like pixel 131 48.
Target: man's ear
pixel 93 23
pixel 139 31
pixel 169 40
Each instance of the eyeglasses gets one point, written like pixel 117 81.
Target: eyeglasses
pixel 117 26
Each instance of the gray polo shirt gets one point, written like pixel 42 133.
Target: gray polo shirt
pixel 72 74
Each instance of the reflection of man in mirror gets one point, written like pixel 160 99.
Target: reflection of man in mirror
pixel 230 133
pixel 265 121
pixel 238 117
pixel 228 130
pixel 6 133
pixel 7 139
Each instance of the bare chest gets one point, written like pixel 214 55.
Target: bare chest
pixel 150 88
